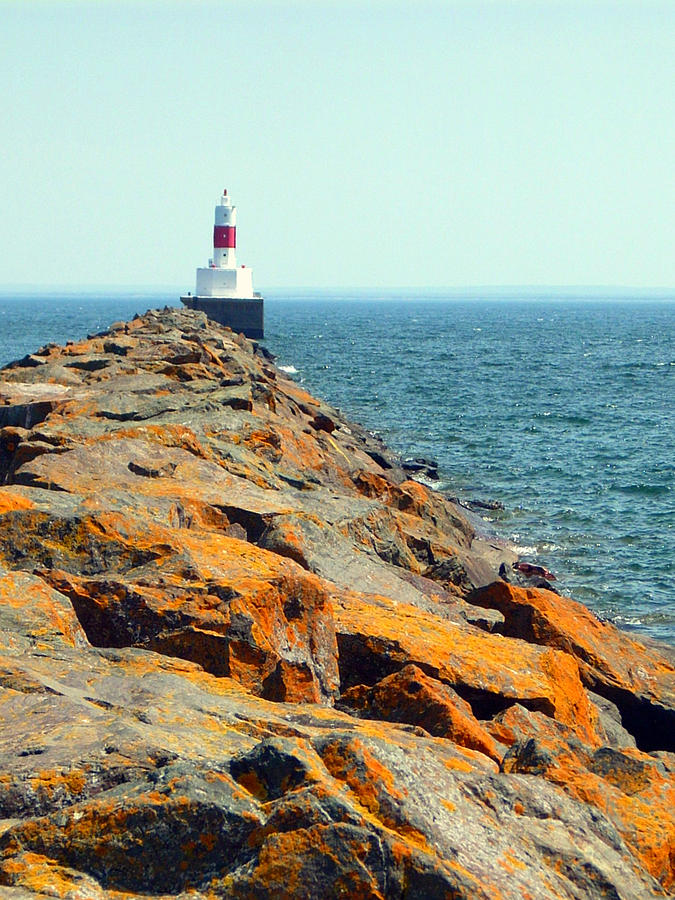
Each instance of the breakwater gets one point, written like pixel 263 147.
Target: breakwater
pixel 245 654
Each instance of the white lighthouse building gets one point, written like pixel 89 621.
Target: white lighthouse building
pixel 224 290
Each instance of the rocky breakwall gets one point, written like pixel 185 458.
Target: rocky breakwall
pixel 244 657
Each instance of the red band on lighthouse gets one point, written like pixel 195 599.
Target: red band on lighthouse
pixel 224 236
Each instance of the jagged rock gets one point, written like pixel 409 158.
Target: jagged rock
pixel 449 571
pixel 377 637
pixel 639 680
pixel 412 696
pixel 185 820
pixel 420 466
pixel 632 789
pixel 237 658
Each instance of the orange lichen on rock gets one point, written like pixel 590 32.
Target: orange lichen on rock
pixel 39 876
pixel 167 435
pixel 10 501
pixel 73 782
pixel 412 696
pixel 352 763
pixel 602 651
pixel 639 679
pixel 245 612
pixel 377 634
pixel 635 791
pixel 28 603
pixel 287 865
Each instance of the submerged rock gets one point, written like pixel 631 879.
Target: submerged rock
pixel 243 655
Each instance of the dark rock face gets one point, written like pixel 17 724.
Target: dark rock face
pixel 243 655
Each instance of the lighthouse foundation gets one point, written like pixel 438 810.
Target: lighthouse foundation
pixel 241 315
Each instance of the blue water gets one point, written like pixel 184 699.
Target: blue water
pixel 562 409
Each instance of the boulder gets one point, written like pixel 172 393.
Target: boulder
pixel 639 680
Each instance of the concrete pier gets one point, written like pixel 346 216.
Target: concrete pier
pixel 245 316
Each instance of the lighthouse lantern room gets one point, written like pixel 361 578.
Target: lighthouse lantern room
pixel 224 290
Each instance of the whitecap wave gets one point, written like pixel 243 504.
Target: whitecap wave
pixel 524 549
pixel 290 370
pixel 635 621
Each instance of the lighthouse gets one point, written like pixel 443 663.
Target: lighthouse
pixel 224 290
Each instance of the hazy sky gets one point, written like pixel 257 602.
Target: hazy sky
pixel 364 143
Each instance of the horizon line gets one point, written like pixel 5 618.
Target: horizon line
pixel 129 287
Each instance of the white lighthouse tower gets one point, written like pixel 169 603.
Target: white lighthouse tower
pixel 224 290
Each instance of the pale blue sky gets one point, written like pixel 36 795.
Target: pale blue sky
pixel 364 143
